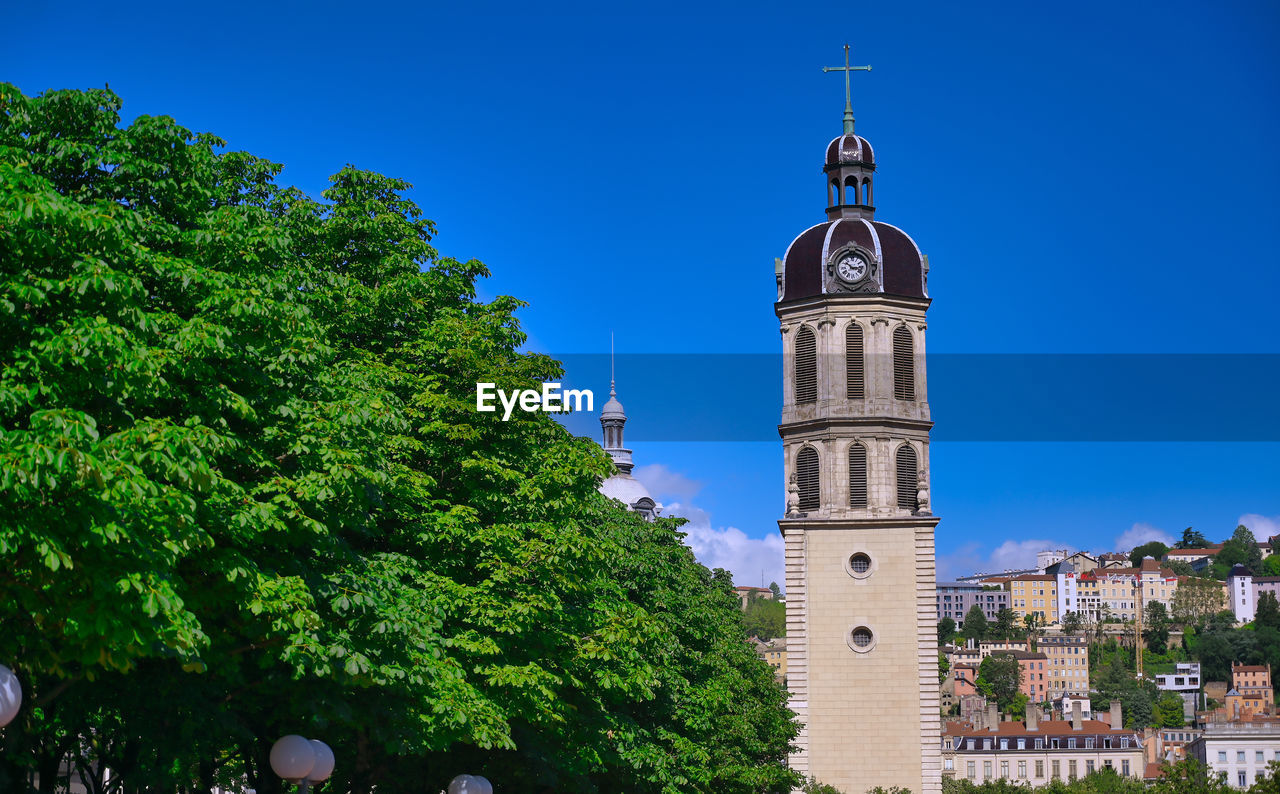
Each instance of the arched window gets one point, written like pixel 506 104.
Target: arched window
pixel 857 475
pixel 806 366
pixel 904 364
pixel 808 479
pixel 855 388
pixel 851 190
pixel 866 191
pixel 906 466
pixel 833 193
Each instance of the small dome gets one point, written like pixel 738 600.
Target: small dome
pixel 896 255
pixel 625 488
pixel 613 408
pixel 1238 570
pixel 850 149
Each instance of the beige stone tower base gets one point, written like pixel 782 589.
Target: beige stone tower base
pixel 870 716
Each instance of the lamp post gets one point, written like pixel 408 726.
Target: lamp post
pixel 10 696
pixel 302 761
pixel 470 784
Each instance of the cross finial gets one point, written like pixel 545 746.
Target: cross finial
pixel 848 96
pixel 612 393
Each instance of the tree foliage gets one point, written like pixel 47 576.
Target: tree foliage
pixel 974 626
pixel 765 618
pixel 1191 539
pixel 999 678
pixel 245 493
pixel 1154 549
pixel 1005 626
pixel 946 631
pixel 1155 627
pixel 1240 549
pixel 1072 622
pixel 1196 599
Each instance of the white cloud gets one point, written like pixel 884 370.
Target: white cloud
pixel 715 547
pixel 1261 526
pixel 1141 533
pixel 666 484
pixel 752 560
pixel 970 558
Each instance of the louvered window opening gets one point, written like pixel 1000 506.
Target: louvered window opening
pixel 904 371
pixel 857 476
pixel 907 478
pixel 807 477
pixel 855 387
pixel 806 366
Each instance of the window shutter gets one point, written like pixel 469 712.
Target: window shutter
pixel 853 362
pixel 857 475
pixel 806 366
pixel 904 369
pixel 907 478
pixel 807 477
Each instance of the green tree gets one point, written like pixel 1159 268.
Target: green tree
pixel 1240 549
pixel 765 618
pixel 246 493
pixel 1191 539
pixel 1072 622
pixel 1006 625
pixel 1153 548
pixel 1179 567
pixel 999 678
pixel 777 591
pixel 1271 565
pixel 974 626
pixel 1155 629
pixel 944 667
pixel 1169 711
pixel 946 631
pixel 1196 600
pixel 1268 611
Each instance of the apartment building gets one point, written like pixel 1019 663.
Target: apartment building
pixel 956 598
pixel 1184 681
pixel 1253 680
pixel 1241 748
pixel 1067 664
pixel 1036 751
pixel 1034 594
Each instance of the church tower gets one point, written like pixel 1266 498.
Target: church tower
pixel 862 657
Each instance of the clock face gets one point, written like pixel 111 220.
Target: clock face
pixel 851 267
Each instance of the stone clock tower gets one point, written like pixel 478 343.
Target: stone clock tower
pixel 862 659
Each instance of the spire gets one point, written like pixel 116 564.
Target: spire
pixel 848 95
pixel 612 419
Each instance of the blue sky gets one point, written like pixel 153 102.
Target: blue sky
pixel 1086 178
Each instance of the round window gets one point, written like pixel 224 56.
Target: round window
pixel 859 563
pixel 861 639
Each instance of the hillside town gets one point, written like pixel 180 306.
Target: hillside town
pixel 1132 662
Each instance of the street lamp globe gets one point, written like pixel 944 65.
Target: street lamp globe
pixel 324 762
pixel 292 757
pixel 10 696
pixel 470 784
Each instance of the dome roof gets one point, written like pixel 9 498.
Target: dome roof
pixel 625 488
pixel 612 408
pixel 896 256
pixel 850 149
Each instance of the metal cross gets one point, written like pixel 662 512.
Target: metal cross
pixel 848 97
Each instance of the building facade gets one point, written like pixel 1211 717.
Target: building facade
pixel 1068 664
pixel 858 529
pixel 1240 748
pixel 954 600
pixel 1034 594
pixel 1036 752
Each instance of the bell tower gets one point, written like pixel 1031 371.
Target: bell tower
pixel 859 532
